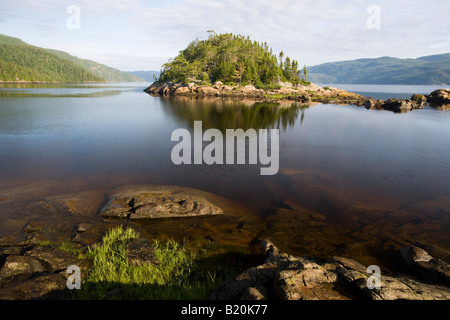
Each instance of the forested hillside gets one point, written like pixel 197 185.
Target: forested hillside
pixel 433 69
pixel 231 59
pixel 20 61
pixel 100 70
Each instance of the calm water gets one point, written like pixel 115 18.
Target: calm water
pixel 351 180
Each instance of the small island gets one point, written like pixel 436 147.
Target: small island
pixel 234 66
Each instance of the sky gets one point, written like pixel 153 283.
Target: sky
pixel 132 35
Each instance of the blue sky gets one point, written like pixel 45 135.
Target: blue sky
pixel 142 35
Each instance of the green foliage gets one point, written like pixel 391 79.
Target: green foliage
pixel 178 275
pixel 100 70
pixel 231 59
pixel 20 61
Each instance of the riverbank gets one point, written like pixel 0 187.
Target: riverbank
pixel 302 94
pixel 225 250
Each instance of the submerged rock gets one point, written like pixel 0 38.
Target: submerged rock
pixel 152 204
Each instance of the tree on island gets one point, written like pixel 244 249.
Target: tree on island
pixel 232 59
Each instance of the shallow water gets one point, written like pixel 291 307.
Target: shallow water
pixel 352 181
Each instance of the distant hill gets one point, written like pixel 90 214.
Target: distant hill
pixel 101 70
pixel 146 75
pixel 433 69
pixel 20 61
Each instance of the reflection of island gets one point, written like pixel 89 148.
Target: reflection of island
pixel 233 113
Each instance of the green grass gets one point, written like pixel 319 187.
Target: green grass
pixel 70 248
pixel 178 276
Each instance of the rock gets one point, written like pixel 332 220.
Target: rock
pixel 414 254
pixel 82 227
pixel 255 293
pixel 15 266
pixel 305 284
pixel 207 91
pixel 6 241
pixel 218 85
pixel 373 104
pixel 55 260
pixel 16 250
pixel 140 251
pixel 439 98
pixel 41 286
pixel 181 91
pixel 419 99
pixel 283 276
pixel 428 268
pixel 400 106
pixel 32 227
pixel 157 204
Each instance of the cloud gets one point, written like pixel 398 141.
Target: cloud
pixel 311 31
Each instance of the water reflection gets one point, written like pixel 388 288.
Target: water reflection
pixel 25 94
pixel 232 114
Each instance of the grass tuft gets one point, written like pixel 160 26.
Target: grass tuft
pixel 178 275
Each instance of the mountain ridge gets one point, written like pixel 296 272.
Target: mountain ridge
pixel 426 70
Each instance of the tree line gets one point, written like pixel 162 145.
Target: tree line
pixel 232 59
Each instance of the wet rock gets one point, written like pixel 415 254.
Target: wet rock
pixel 16 250
pixel 6 241
pixel 82 227
pixel 284 277
pixel 157 204
pixel 414 254
pixel 41 286
pixel 32 227
pixel 400 106
pixel 56 260
pixel 15 266
pixel 428 268
pixel 140 251
pixel 439 98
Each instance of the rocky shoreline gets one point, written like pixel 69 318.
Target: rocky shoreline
pixel 287 277
pixel 302 94
pixel 33 267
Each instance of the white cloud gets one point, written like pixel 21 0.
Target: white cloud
pixel 311 31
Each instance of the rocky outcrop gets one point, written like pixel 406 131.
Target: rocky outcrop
pixel 396 105
pixel 303 94
pixel 439 98
pixel 37 272
pixel 287 277
pixel 425 266
pixel 153 204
